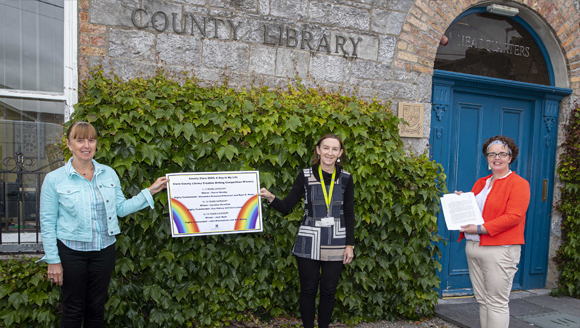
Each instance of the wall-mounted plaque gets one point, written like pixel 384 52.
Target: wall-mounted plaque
pixel 413 116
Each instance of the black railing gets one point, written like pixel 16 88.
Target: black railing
pixel 20 200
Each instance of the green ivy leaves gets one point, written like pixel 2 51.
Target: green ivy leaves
pixel 568 256
pixel 151 127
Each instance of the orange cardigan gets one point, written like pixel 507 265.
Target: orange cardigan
pixel 504 212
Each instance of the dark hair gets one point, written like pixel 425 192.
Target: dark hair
pixel 511 144
pixel 342 157
pixel 81 130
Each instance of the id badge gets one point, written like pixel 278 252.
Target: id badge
pixel 325 222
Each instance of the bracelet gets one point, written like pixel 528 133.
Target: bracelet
pixel 479 229
pixel 350 246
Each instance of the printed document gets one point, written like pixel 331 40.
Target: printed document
pixel 460 210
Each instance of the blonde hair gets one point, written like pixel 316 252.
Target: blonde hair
pixel 81 130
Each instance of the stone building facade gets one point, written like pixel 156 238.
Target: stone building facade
pixel 382 49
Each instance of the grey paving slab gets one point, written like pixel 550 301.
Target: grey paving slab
pixel 553 320
pixel 522 307
pixel 566 305
pixel 519 323
pixel 463 315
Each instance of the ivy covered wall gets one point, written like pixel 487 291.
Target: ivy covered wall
pixel 150 127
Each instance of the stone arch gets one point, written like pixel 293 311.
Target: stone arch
pixel 556 22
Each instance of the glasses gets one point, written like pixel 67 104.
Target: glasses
pixel 494 155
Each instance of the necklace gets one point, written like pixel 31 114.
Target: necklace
pixel 91 170
pixel 84 174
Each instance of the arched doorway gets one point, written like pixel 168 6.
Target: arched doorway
pixel 494 77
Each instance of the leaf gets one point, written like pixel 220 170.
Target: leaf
pixel 152 292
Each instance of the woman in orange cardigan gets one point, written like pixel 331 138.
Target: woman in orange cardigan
pixel 493 248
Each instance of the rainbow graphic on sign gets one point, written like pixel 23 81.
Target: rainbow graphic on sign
pixel 248 215
pixel 184 221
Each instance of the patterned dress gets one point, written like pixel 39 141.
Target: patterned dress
pixel 315 241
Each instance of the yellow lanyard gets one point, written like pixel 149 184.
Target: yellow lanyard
pixel 327 197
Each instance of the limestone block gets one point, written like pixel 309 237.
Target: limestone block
pixel 364 69
pixel 329 68
pixel 290 62
pixel 243 5
pixel 401 5
pixel 359 83
pixel 395 90
pixel 221 54
pixel 264 7
pixel 416 145
pixel 427 119
pixel 137 45
pixel 376 3
pixel 293 9
pixel 263 60
pixel 395 22
pixel 179 49
pixel 208 75
pixel 326 13
pixel 380 20
pixel 404 76
pixel 424 87
pixel 387 49
pixel 367 48
pixel 113 12
pixel 192 2
pixel 129 69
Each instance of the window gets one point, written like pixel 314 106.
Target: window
pixel 38 81
pixel 494 46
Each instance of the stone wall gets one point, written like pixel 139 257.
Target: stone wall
pixel 340 45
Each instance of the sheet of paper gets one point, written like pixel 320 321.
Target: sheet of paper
pixel 460 210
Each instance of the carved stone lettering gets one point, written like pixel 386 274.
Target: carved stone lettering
pixel 267 37
pixel 274 35
pixel 235 28
pixel 326 44
pixel 134 18
pixel 181 30
pixel 165 21
pixel 306 40
pixel 354 45
pixel 201 30
pixel 340 40
pixel 291 35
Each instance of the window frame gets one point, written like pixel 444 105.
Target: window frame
pixel 70 66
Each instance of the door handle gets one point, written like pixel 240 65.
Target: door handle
pixel 545 190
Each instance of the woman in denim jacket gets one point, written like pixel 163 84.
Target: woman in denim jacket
pixel 79 206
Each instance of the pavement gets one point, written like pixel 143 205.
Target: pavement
pixel 531 308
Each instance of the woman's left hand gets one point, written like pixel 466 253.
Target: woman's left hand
pixel 472 229
pixel 158 185
pixel 348 255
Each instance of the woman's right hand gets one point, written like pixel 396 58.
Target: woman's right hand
pixel 55 273
pixel 264 193
pixel 458 192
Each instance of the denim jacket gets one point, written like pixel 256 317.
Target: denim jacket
pixel 65 206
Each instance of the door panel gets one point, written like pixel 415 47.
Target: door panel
pixel 472 119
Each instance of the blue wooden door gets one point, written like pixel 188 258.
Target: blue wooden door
pixel 464 115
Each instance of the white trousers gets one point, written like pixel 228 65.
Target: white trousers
pixel 492 270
